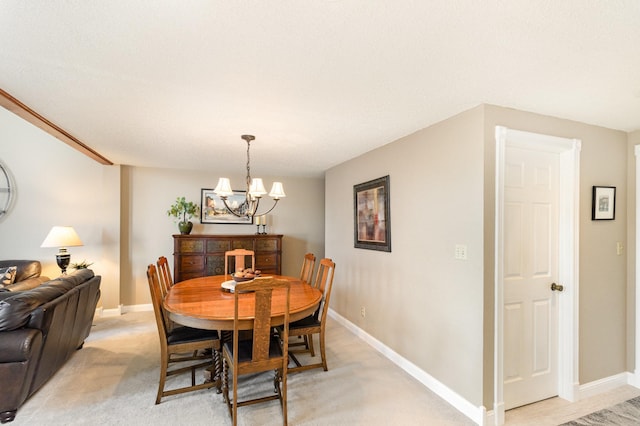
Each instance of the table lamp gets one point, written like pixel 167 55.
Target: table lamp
pixel 62 237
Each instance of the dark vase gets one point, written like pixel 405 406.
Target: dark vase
pixel 185 227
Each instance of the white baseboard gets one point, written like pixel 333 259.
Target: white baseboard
pixel 477 414
pixel 138 308
pixel 122 309
pixel 603 385
pixel 103 313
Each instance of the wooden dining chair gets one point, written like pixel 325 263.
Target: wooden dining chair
pixel 315 323
pixel 180 344
pixel 165 275
pixel 309 262
pixel 238 256
pixel 264 351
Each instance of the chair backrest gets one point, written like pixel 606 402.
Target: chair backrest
pixel 162 319
pixel 165 275
pixel 263 290
pixel 238 256
pixel 324 283
pixel 306 274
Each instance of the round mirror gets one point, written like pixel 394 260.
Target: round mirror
pixel 7 190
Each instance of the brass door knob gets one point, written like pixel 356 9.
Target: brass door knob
pixel 556 287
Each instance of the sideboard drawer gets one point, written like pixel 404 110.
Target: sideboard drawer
pixel 266 260
pixel 270 244
pixel 191 246
pixel 214 246
pixel 246 243
pixel 191 263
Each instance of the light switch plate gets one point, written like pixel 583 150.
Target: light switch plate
pixel 461 252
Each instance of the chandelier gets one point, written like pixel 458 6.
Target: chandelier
pixel 254 191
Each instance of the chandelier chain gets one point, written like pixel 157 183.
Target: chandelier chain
pixel 248 167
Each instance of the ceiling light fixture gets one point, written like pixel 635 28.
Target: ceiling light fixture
pixel 254 191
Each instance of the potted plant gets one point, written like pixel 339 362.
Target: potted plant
pixel 183 210
pixel 81 265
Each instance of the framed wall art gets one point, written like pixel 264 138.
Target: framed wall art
pixel 603 203
pixel 214 211
pixel 371 215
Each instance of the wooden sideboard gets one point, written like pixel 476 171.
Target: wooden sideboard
pixel 203 255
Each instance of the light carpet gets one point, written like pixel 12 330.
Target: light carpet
pixel 624 414
pixel 113 381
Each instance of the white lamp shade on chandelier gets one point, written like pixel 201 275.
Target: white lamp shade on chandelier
pixel 256 189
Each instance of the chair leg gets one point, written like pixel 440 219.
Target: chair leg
pixel 322 350
pixel 283 398
pixel 164 365
pixel 309 339
pixel 234 411
pixel 217 366
pixel 225 383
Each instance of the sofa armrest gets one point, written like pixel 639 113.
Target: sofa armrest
pixel 20 345
pixel 19 353
pixel 27 284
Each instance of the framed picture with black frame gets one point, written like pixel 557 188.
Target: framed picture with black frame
pixel 371 215
pixel 603 203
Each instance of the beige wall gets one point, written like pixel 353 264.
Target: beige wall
pixel 437 311
pixel 120 211
pixel 419 300
pixel 148 193
pixel 56 185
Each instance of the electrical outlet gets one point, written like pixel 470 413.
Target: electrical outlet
pixel 363 312
pixel 461 252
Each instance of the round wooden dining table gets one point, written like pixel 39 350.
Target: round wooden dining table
pixel 203 303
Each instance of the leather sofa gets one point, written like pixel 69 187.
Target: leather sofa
pixel 40 329
pixel 27 274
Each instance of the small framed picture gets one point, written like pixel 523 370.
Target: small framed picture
pixel 603 205
pixel 214 211
pixel 371 215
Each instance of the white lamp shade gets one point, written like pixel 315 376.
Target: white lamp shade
pixel 257 188
pixel 62 236
pixel 277 191
pixel 223 189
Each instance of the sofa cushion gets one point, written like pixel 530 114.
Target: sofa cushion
pixel 16 309
pixel 8 275
pixel 26 268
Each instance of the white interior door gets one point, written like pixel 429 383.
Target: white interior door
pixel 530 266
pixel 568 220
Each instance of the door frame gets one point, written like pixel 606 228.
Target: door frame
pixel 635 380
pixel 568 242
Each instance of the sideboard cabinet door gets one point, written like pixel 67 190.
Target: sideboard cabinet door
pixel 202 255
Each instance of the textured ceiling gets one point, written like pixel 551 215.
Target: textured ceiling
pixel 175 83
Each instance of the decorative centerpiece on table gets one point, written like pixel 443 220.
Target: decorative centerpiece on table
pixel 184 210
pixel 246 274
